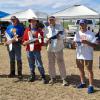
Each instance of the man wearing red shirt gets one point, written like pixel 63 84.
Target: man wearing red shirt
pixel 33 40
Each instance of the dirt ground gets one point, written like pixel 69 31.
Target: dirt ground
pixel 13 89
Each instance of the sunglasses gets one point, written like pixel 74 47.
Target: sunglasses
pixel 13 19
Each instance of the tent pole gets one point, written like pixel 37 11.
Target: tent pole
pixel 63 22
pixel 47 18
pixel 99 22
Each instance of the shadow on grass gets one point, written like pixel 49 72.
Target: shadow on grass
pixel 3 76
pixel 75 80
pixel 71 79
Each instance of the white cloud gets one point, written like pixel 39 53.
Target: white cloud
pixel 57 5
pixel 27 2
pixel 43 5
pixel 36 2
pixel 66 3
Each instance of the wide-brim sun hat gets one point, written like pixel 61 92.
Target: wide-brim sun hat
pixel 32 18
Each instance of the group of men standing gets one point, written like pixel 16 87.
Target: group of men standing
pixel 35 36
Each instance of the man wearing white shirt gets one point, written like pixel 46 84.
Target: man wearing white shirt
pixel 54 34
pixel 85 42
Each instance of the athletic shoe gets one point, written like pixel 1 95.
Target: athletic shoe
pixel 90 89
pixel 81 86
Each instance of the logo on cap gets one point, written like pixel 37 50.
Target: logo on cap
pixel 83 21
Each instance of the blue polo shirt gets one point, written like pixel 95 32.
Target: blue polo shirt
pixel 19 30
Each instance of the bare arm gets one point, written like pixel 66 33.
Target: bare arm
pixel 89 43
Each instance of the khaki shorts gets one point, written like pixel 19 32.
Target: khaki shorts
pixel 81 63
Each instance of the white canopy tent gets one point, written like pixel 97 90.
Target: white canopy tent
pixel 41 15
pixel 25 15
pixel 76 12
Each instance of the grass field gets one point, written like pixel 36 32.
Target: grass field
pixel 13 89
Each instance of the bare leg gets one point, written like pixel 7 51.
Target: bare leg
pixel 88 64
pixel 80 65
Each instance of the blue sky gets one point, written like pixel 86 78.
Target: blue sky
pixel 48 6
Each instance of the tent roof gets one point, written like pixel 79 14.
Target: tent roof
pixel 40 14
pixel 22 15
pixel 25 15
pixel 3 14
pixel 77 11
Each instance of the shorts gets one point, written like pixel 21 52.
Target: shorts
pixel 81 63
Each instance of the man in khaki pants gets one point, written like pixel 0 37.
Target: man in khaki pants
pixel 54 34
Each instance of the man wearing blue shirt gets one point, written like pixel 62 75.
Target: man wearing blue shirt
pixel 14 33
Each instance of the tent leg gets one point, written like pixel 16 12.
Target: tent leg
pixel 99 23
pixel 63 23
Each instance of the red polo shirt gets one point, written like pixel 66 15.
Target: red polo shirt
pixel 37 45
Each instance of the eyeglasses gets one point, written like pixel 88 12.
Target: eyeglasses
pixel 81 24
pixel 32 21
pixel 51 19
pixel 13 20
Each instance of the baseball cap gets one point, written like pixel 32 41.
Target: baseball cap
pixel 52 17
pixel 83 21
pixel 13 17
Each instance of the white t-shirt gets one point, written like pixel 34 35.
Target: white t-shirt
pixel 84 51
pixel 55 45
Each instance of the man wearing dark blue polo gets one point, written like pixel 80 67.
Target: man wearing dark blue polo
pixel 14 33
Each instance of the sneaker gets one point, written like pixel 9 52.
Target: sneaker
pixel 52 81
pixel 11 75
pixel 65 83
pixel 44 81
pixel 20 77
pixel 31 78
pixel 81 86
pixel 90 89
